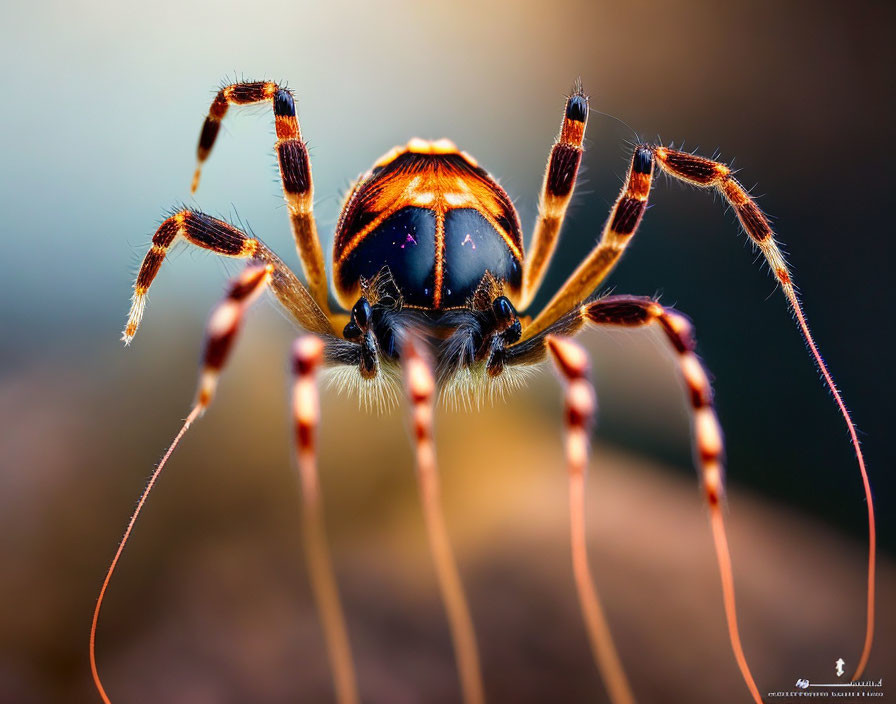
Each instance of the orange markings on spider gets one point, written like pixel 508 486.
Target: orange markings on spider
pixel 573 132
pixel 427 211
pixel 428 229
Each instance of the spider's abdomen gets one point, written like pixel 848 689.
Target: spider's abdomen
pixel 436 220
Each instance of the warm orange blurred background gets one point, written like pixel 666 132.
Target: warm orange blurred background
pixel 102 107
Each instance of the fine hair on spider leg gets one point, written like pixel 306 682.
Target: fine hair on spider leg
pixel 618 232
pixel 571 361
pixel 711 174
pixel 308 355
pixel 556 191
pixel 420 386
pixel 221 331
pixel 631 311
pixel 634 311
pixel 194 414
pixel 206 232
pixel 294 164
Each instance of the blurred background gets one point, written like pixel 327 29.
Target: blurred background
pixel 102 105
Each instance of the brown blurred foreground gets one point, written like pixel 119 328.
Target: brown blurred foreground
pixel 211 602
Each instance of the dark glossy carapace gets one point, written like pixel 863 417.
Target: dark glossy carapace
pixel 436 219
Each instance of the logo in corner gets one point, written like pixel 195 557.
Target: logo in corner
pixel 858 688
pixel 839 667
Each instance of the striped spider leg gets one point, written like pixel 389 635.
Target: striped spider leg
pixel 265 270
pixel 632 311
pixel 308 356
pixel 556 192
pixel 222 238
pixel 420 389
pixel 420 386
pixel 295 170
pixel 580 406
pixel 221 332
pixel 618 232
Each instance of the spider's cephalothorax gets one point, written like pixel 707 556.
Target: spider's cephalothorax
pixel 428 262
pixel 428 237
pixel 436 219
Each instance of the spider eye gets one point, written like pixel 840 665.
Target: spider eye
pixel 351 332
pixel 361 313
pixel 502 309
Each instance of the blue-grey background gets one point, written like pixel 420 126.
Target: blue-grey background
pixel 102 104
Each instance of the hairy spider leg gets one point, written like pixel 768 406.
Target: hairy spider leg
pixel 420 387
pixel 580 403
pixel 295 170
pixel 222 238
pixel 624 220
pixel 711 174
pixel 221 331
pixel 708 440
pixel 634 311
pixel 618 231
pixel 556 192
pixel 308 355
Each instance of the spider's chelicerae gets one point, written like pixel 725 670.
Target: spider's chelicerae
pixel 428 258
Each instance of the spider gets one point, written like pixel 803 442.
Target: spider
pixel 433 288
